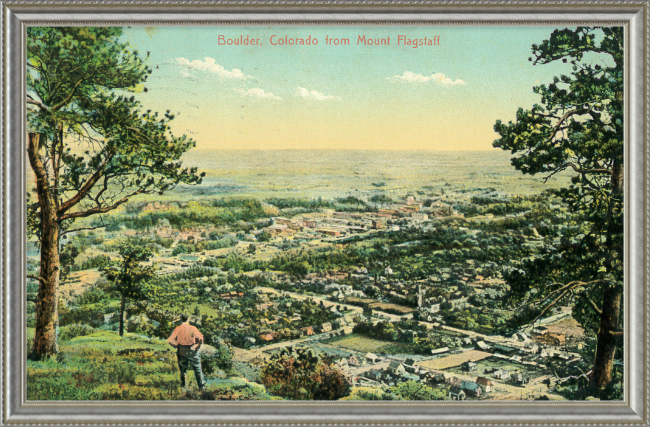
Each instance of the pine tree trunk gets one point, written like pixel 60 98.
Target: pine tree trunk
pixel 122 304
pixel 603 370
pixel 607 341
pixel 47 316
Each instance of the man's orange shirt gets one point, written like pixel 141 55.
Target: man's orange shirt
pixel 185 334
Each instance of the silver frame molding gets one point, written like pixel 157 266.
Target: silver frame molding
pixel 634 15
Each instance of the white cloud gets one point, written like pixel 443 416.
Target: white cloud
pixel 411 77
pixel 186 74
pixel 211 66
pixel 315 95
pixel 257 93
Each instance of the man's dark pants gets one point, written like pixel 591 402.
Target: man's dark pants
pixel 190 359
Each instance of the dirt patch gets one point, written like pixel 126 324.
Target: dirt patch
pixel 570 328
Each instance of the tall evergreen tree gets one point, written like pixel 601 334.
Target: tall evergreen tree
pixel 90 148
pixel 578 127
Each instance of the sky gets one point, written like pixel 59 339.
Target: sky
pixel 443 96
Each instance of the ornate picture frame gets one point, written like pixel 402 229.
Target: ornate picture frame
pixel 633 16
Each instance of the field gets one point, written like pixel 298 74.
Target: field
pixel 368 345
pixel 454 360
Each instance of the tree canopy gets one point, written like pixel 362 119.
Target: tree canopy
pixel 101 146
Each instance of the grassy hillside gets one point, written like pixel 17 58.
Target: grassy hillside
pixel 99 365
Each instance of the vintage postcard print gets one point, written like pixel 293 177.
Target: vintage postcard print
pixel 354 213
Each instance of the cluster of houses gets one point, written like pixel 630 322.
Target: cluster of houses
pixel 516 378
pixel 396 371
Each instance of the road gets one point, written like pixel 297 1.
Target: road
pixel 327 303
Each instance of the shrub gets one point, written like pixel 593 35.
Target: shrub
pixel 123 373
pixel 95 262
pixel 413 390
pixel 131 392
pixel 68 332
pixel 92 315
pixel 220 358
pixel 301 375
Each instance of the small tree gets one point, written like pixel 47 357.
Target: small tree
pixel 367 311
pixel 130 278
pixel 381 199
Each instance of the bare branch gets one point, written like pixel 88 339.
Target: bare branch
pixel 568 286
pixel 82 229
pixel 37 278
pixel 40 105
pixel 100 209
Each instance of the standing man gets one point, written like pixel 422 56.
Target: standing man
pixel 187 340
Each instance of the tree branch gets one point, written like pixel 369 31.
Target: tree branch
pixel 85 189
pixel 37 278
pixel 563 291
pixel 40 105
pixel 592 304
pixel 69 97
pixel 563 119
pixel 102 209
pixel 548 307
pixel 63 233
pixel 584 171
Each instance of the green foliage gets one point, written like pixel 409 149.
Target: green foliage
pixel 374 394
pixel 220 359
pixel 579 127
pixel 414 390
pixel 352 200
pixel 66 333
pixel 381 199
pixel 98 261
pixel 301 375
pixel 286 203
pixel 67 257
pixel 130 276
pixel 88 314
pixel 382 330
